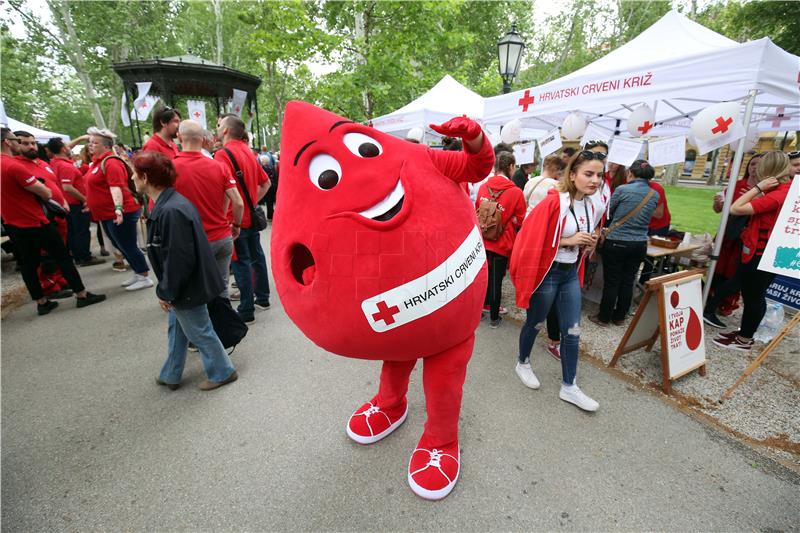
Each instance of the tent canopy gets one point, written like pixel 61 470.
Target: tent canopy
pixel 445 100
pixel 678 68
pixel 42 136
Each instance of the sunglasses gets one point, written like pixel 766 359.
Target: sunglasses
pixel 587 155
pixel 594 144
pixel 793 155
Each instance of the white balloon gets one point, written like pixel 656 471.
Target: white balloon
pixel 511 132
pixel 749 142
pixel 716 119
pixel 574 126
pixel 640 121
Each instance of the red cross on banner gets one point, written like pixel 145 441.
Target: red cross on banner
pixel 237 109
pixel 197 114
pixel 644 128
pixel 385 313
pixel 144 105
pixel 722 125
pixel 526 100
pixel 779 116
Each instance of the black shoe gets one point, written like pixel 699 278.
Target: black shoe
pixel 170 386
pixel 90 299
pixel 263 305
pixel 248 318
pixel 104 252
pixel 43 309
pixel 60 295
pixel 91 262
pixel 712 320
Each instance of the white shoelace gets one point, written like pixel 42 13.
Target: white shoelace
pixel 373 410
pixel 434 461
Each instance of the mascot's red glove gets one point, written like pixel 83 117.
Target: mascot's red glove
pixel 463 127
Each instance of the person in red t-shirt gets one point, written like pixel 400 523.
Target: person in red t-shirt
pixel 165 127
pixel 79 221
pixel 210 187
pixel 511 203
pixel 23 190
pixel 250 260
pixel 111 202
pixel 763 204
pixel 660 221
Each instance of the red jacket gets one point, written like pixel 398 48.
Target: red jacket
pixel 512 207
pixel 537 244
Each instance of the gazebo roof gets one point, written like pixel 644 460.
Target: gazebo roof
pixel 186 75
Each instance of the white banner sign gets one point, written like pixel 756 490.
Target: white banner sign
pixel 595 133
pixel 3 117
pixel 550 143
pixel 524 153
pixel 142 111
pixel 782 255
pixel 197 111
pixel 624 151
pixel 237 104
pixel 667 151
pixel 734 133
pixel 123 110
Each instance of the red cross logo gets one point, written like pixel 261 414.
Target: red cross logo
pixel 144 105
pixel 197 114
pixel 779 117
pixel 237 109
pixel 644 128
pixel 722 125
pixel 526 100
pixel 385 313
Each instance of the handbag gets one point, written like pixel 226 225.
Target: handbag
pixel 258 219
pixel 228 325
pixel 614 225
pixel 52 210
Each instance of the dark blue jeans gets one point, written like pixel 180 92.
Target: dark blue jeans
pixel 79 233
pixel 561 286
pixel 123 237
pixel 250 263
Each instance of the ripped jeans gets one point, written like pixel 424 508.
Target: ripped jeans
pixel 561 286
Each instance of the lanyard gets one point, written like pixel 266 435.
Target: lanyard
pixel 577 225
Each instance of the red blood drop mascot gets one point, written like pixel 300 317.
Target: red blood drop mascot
pixel 376 255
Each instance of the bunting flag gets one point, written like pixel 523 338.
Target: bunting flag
pixel 237 104
pixel 197 111
pixel 250 115
pixel 143 88
pixel 142 111
pixel 123 111
pixel 3 117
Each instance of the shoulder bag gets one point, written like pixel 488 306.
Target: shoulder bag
pixel 258 219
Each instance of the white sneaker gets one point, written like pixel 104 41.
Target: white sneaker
pixel 143 282
pixel 574 395
pixel 130 281
pixel 527 376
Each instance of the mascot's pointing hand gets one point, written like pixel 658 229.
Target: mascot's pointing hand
pixel 466 128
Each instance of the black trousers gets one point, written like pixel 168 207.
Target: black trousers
pixel 79 233
pixel 753 284
pixel 621 260
pixel 29 242
pixel 498 264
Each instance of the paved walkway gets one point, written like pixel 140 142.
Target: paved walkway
pixel 89 441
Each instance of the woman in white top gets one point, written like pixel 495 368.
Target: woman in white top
pixel 536 188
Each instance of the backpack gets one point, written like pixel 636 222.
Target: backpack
pixel 490 218
pixel 228 325
pixel 131 187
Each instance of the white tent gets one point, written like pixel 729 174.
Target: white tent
pixel 445 100
pixel 676 66
pixel 42 136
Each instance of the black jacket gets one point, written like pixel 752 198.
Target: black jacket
pixel 180 254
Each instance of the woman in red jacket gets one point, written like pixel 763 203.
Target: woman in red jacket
pixel 547 263
pixel 511 203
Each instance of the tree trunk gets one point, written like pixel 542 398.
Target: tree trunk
pixel 671 174
pixel 362 20
pixel 63 20
pixel 218 22
pixel 712 174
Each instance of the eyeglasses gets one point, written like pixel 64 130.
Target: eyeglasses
pixel 586 154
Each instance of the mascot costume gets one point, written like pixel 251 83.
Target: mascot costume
pixel 376 255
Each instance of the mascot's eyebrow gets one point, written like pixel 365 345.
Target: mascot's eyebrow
pixel 297 157
pixel 340 123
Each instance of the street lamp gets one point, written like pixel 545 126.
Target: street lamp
pixel 509 51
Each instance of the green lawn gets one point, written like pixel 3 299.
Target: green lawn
pixel 691 209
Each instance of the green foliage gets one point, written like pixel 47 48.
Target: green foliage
pixel 691 210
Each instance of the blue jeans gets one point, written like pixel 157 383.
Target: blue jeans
pixel 194 325
pixel 79 233
pixel 560 286
pixel 250 262
pixel 123 237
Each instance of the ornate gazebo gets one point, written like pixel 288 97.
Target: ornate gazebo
pixel 187 75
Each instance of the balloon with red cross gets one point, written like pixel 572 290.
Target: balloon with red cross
pixel 641 121
pixel 716 120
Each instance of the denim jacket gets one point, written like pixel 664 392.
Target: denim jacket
pixel 623 201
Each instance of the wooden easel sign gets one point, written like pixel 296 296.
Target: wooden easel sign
pixel 672 310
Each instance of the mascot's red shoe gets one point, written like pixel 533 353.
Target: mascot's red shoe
pixel 370 423
pixel 433 472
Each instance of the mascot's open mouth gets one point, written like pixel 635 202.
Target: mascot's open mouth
pixel 301 264
pixel 387 208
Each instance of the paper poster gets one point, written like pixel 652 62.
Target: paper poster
pixel 683 323
pixel 237 104
pixel 624 151
pixel 550 142
pixel 595 133
pixel 524 153
pixel 197 111
pixel 782 255
pixel 734 133
pixel 667 151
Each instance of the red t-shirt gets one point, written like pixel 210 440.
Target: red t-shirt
pixel 19 207
pixel 254 175
pixel 68 175
pixel 765 213
pixel 157 144
pixel 666 218
pixel 98 193
pixel 50 179
pixel 204 182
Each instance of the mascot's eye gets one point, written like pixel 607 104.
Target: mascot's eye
pixel 324 171
pixel 362 145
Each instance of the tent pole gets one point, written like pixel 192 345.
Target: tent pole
pixel 258 125
pixel 723 221
pixel 138 128
pixel 128 112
